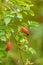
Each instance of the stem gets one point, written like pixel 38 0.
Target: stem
pixel 19 50
pixel 20 53
pixel 21 56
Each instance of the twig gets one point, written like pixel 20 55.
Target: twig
pixel 19 50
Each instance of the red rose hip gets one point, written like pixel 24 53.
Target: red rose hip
pixel 8 47
pixel 24 30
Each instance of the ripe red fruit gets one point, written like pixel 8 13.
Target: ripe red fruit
pixel 24 30
pixel 8 46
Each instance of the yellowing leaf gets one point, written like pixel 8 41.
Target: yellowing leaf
pixel 25 12
pixel 7 36
pixel 31 5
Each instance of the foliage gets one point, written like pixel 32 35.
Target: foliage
pixel 13 15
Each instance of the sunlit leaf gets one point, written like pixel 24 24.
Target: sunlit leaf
pixel 31 12
pixel 7 21
pixel 32 50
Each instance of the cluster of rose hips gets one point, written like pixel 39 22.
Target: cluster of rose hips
pixel 24 30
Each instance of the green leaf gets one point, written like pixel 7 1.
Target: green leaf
pixel 33 23
pixel 7 20
pixel 3 38
pixel 19 16
pixel 31 13
pixel 32 50
pixel 2 32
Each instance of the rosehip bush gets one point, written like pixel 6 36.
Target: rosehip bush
pixel 17 33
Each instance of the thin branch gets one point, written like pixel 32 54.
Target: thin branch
pixel 19 50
